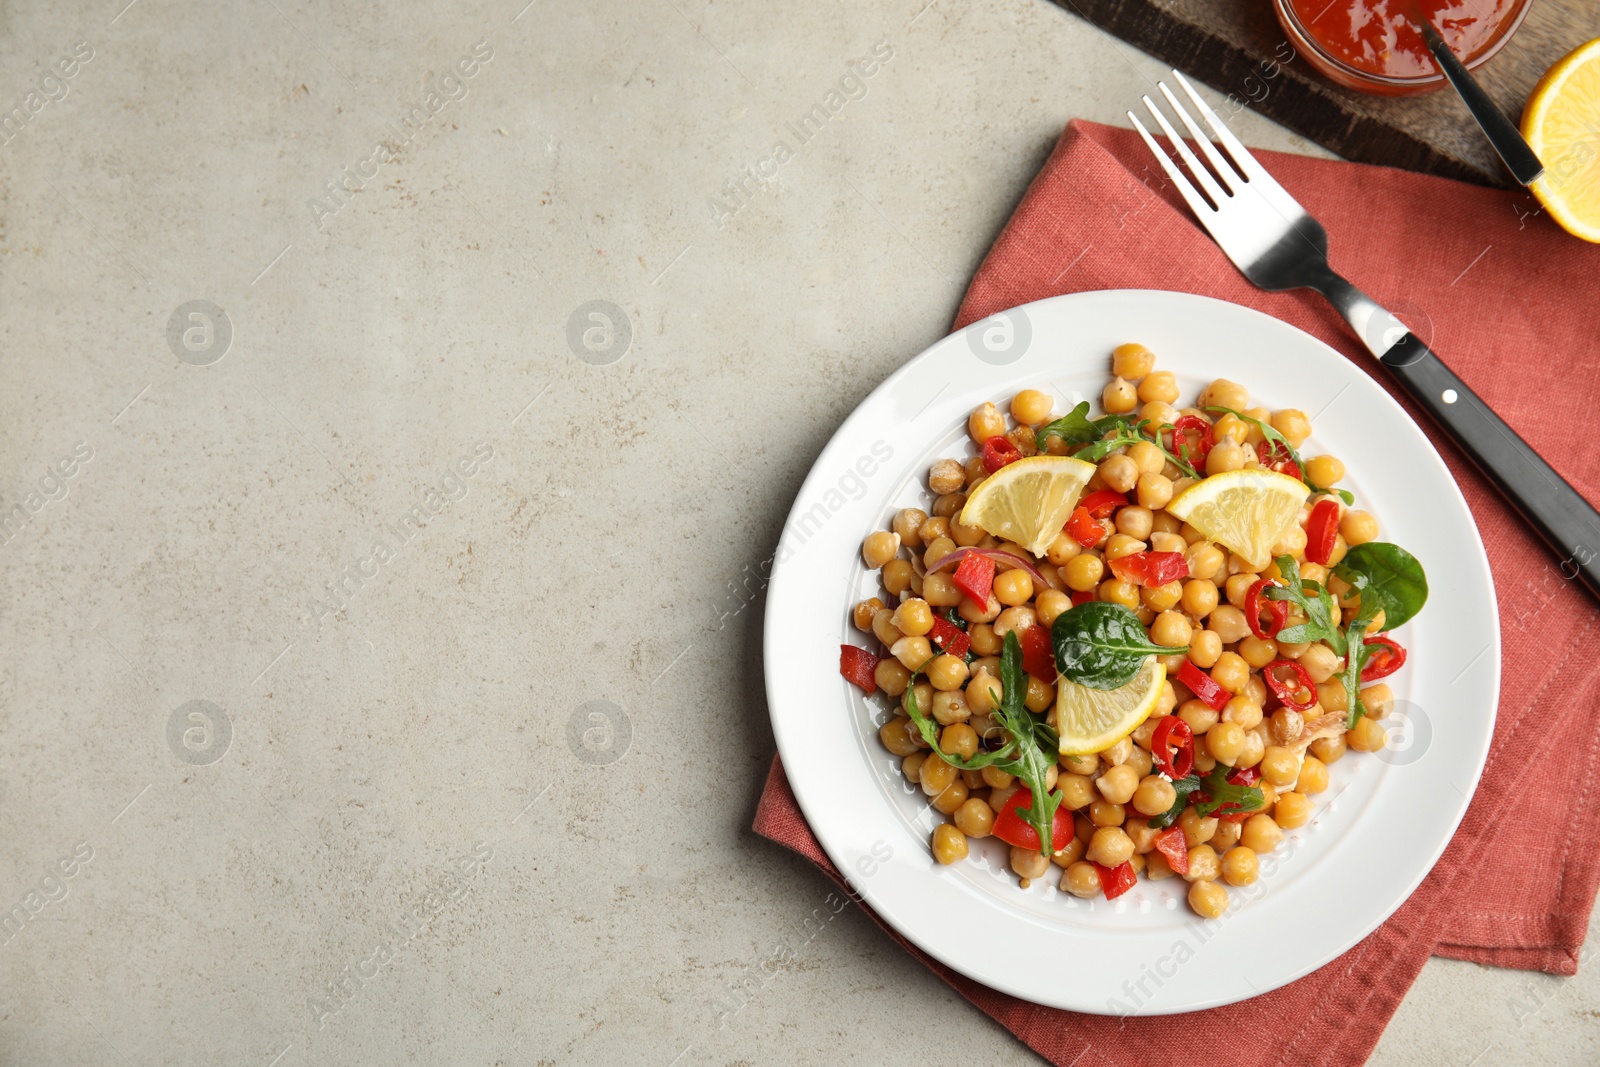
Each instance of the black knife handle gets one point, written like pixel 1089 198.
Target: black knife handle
pixel 1563 518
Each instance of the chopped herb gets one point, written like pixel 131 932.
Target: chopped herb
pixel 1318 608
pixel 1277 438
pixel 1184 787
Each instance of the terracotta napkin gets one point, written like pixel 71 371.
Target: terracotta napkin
pixel 1513 304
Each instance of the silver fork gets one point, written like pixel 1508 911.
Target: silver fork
pixel 1278 246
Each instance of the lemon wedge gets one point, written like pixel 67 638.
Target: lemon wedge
pixel 1247 511
pixel 1028 501
pixel 1091 720
pixel 1559 122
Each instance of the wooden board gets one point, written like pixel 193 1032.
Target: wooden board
pixel 1238 48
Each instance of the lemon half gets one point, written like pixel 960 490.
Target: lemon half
pixel 1028 501
pixel 1248 511
pixel 1092 720
pixel 1561 121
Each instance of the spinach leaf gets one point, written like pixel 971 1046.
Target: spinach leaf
pixel 1274 436
pixel 1031 764
pixel 1388 575
pixel 1318 608
pixel 1220 791
pixel 1102 645
pixel 1184 786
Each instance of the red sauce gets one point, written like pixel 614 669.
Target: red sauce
pixel 1378 37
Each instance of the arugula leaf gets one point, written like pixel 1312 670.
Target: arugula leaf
pixel 1318 608
pixel 930 733
pixel 1274 436
pixel 1184 786
pixel 1031 764
pixel 1102 645
pixel 1355 658
pixel 1075 427
pixel 1388 575
pixel 1221 791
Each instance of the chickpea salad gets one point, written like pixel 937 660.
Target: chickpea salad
pixel 1134 643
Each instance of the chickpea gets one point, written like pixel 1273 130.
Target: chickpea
pixel 985 422
pixel 1159 598
pixel 1279 765
pixel 1292 543
pixel 1082 573
pixel 973 613
pixel 995 778
pixel 1161 385
pixel 1116 591
pixel 983 693
pixel 1119 397
pixel 1231 671
pixel 1320 662
pixel 891 677
pixel 948 505
pixel 933 528
pixel 922 693
pixel 1029 863
pixel 1235 429
pixel 1040 695
pixel 1159 413
pixel 912 618
pixel 1205 648
pixel 950 707
pixel 1224 394
pixel 1119 472
pixel 1260 832
pixel 1228 623
pixel 949 844
pixel 1105 813
pixel 1325 470
pixel 937 775
pixel 1258 651
pixel 1292 811
pixel 975 818
pixel 1077 790
pixel 1014 620
pixel 1013 587
pixel 1208 899
pixel 1154 795
pixel 1206 560
pixel 1329 749
pixel 879 548
pixel 1081 880
pixel 1358 527
pixel 1051 605
pixel 1120 544
pixel 1073 853
pixel 1132 360
pixel 1313 776
pixel 964 535
pixel 1118 786
pixel 1242 711
pixel 1085 764
pixel 1240 867
pixel 1225 741
pixel 1237 587
pixel 940 591
pixel 897 575
pixel 1367 736
pixel 1165 702
pixel 896 736
pixel 1200 716
pixel 1293 424
pixel 1204 864
pixel 1199 597
pixel 1254 748
pixel 1147 457
pixel 1118 753
pixel 1154 490
pixel 912 652
pixel 1062 550
pixel 1225 455
pixel 946 476
pixel 1110 847
pixel 1141 761
pixel 950 800
pixel 861 615
pixel 1171 629
pixel 937 549
pixel 1031 407
pixel 1196 830
pixel 911 766
pixel 959 739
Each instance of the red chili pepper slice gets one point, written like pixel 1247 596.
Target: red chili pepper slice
pixel 1388 656
pixel 1082 598
pixel 974 576
pixel 998 451
pixel 1170 843
pixel 1322 530
pixel 1085 529
pixel 1152 569
pixel 950 637
pixel 1254 602
pixel 1245 776
pixel 1115 881
pixel 1013 829
pixel 1102 502
pixel 1178 442
pixel 1173 731
pixel 1275 456
pixel 859 667
pixel 1038 657
pixel 1289 695
pixel 1204 686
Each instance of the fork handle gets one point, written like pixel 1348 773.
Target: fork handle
pixel 1562 517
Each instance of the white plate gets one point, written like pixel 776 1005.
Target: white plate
pixel 1376 831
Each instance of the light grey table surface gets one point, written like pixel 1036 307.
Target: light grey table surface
pixel 407 744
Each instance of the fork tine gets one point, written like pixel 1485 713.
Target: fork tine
pixel 1197 203
pixel 1201 176
pixel 1227 176
pixel 1245 162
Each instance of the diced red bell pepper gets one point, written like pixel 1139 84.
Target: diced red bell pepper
pixel 1274 456
pixel 1171 844
pixel 1288 692
pixel 1082 598
pixel 1173 731
pixel 859 667
pixel 1151 569
pixel 1254 602
pixel 1085 529
pixel 974 576
pixel 950 637
pixel 1115 881
pixel 1322 531
pixel 1013 829
pixel 1204 686
pixel 998 451
pixel 1245 776
pixel 1103 502
pixel 1038 657
pixel 1388 656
